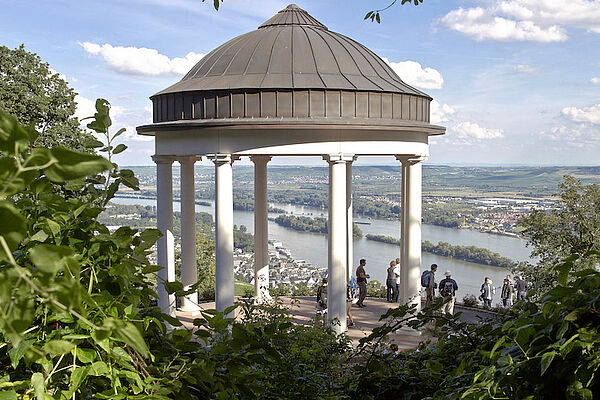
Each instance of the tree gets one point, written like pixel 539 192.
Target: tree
pixel 39 97
pixel 572 227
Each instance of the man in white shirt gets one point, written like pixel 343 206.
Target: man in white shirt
pixel 397 273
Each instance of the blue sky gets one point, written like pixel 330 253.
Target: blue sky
pixel 514 81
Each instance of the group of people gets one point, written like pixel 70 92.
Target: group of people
pixel 446 288
pixel 510 291
pixel 360 285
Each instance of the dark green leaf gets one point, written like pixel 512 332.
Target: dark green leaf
pixel 14 138
pixel 120 148
pixel 49 258
pixel 546 361
pixel 58 347
pixel 119 133
pixel 92 143
pixel 73 165
pixel 8 395
pixel 12 227
pixel 172 287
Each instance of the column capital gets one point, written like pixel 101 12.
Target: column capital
pixel 339 158
pixel 188 158
pixel 220 159
pixel 411 159
pixel 160 159
pixel 260 159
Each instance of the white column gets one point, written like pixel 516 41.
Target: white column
pixel 412 171
pixel 349 223
pixel 189 271
pixel 403 260
pixel 224 282
pixel 261 228
pixel 338 222
pixel 165 246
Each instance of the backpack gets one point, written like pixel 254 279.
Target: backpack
pixel 448 288
pixel 351 289
pixel 425 278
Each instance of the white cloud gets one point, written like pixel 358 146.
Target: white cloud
pixel 85 108
pixel 414 74
pixel 526 69
pixel 481 24
pixel 141 60
pixel 472 130
pixel 576 135
pixel 439 112
pixel 595 80
pixel 525 20
pixel 586 114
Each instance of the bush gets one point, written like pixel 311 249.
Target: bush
pixel 248 292
pixel 470 301
pixel 376 289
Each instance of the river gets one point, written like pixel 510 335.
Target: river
pixel 313 247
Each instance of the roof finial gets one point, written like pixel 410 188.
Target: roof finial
pixel 293 15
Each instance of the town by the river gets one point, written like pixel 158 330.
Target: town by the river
pixel 312 247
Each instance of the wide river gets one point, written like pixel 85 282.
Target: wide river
pixel 313 247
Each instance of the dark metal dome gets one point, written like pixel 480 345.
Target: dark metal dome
pixel 291 66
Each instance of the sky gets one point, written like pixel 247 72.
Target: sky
pixel 515 82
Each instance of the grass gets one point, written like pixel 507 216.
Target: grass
pixel 242 287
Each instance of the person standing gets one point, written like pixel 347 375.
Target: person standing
pixel 397 273
pixel 322 297
pixel 507 293
pixel 361 281
pixel 448 288
pixel 350 290
pixel 521 288
pixel 487 292
pixel 428 282
pixel 322 301
pixel 391 282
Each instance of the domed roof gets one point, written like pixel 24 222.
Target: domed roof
pixel 292 50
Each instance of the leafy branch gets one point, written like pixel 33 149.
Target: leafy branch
pixel 374 15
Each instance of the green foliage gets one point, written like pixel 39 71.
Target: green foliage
pixel 40 98
pixel 535 351
pixel 572 227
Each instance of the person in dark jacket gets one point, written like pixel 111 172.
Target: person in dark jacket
pixel 507 293
pixel 521 286
pixel 392 288
pixel 361 281
pixel 487 292
pixel 448 288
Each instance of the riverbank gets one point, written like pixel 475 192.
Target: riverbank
pixel 312 247
pixel 360 211
pixel 472 254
